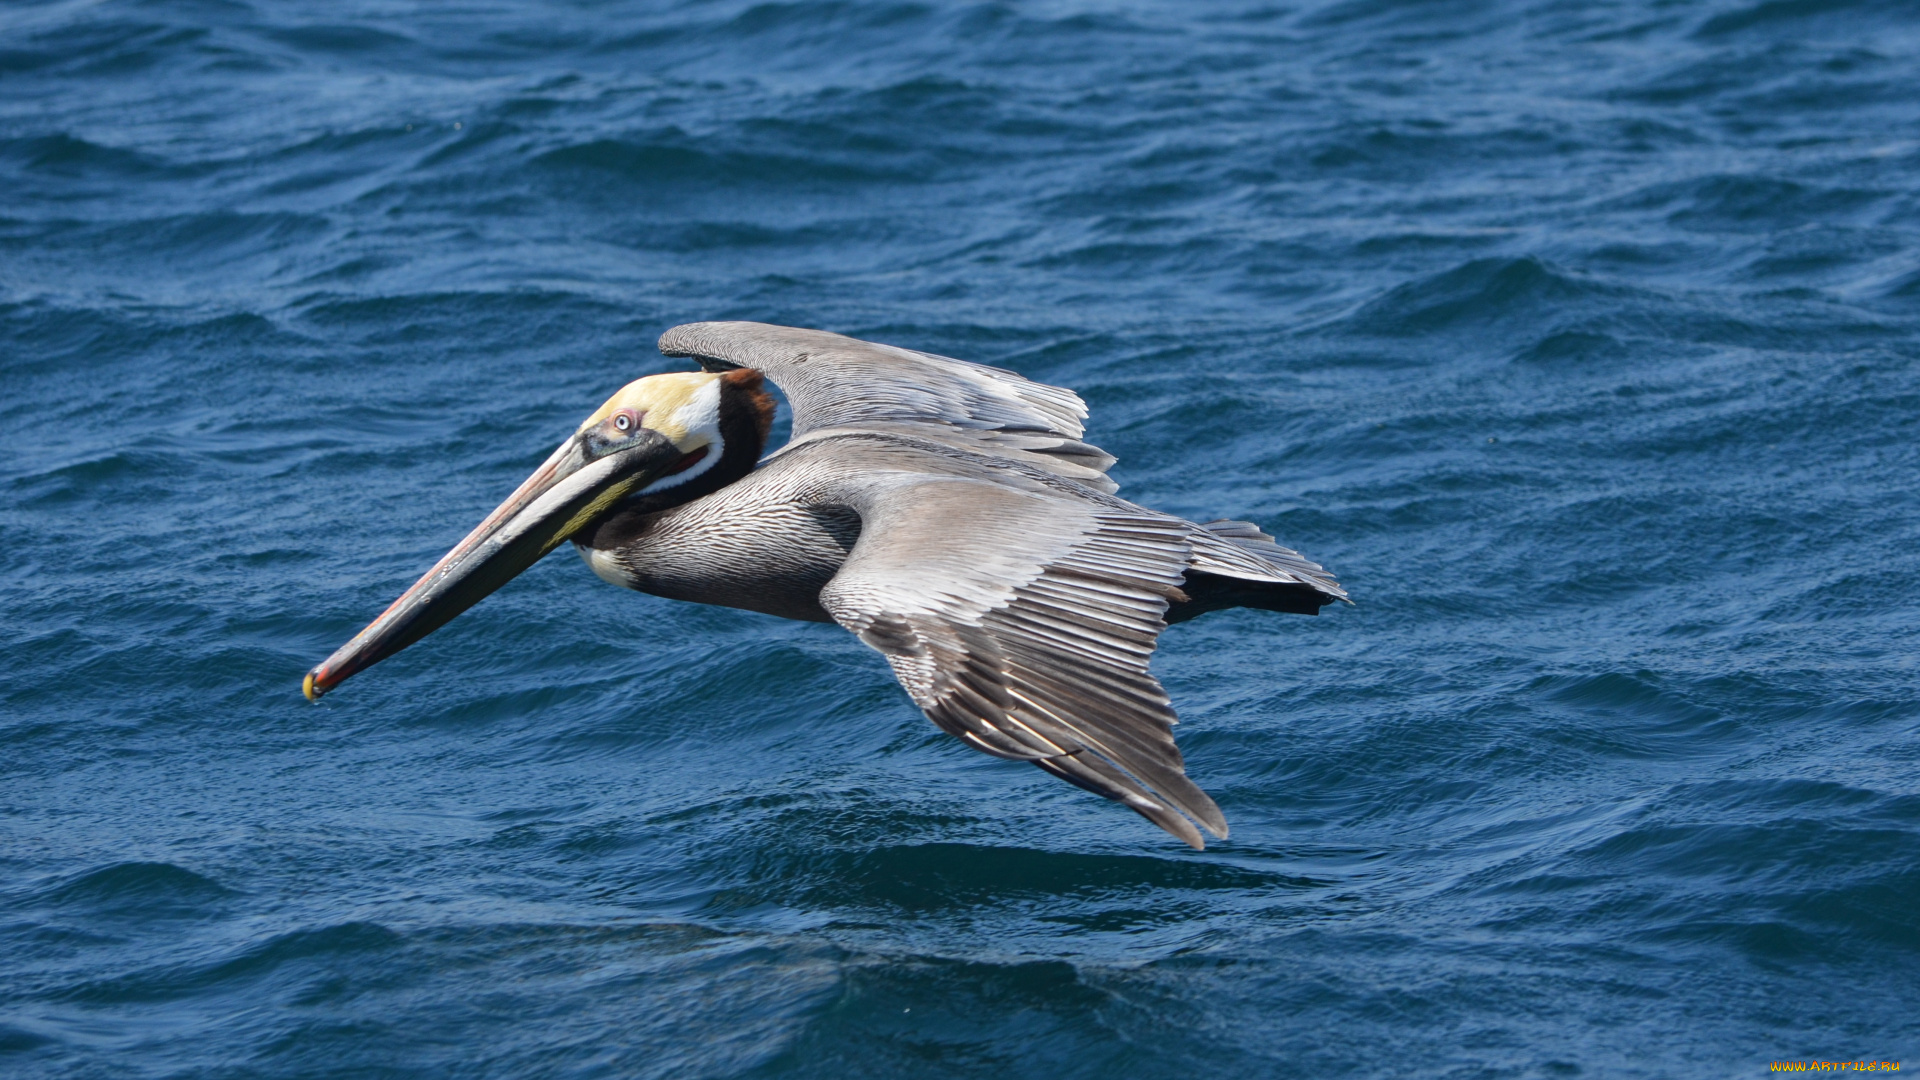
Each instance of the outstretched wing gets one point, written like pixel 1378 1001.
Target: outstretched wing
pixel 1023 624
pixel 836 383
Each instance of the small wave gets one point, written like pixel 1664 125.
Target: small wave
pixel 1131 258
pixel 1572 346
pixel 19 1040
pixel 1411 151
pixel 1474 295
pixel 893 1014
pixel 949 876
pixel 299 955
pixel 1455 18
pixel 804 19
pixel 441 316
pixel 1611 690
pixel 139 888
pixel 99 47
pixel 1905 287
pixel 135 474
pixel 1832 255
pixel 1743 203
pixel 1769 14
pixel 671 159
pixel 345 39
pixel 202 237
pixel 69 156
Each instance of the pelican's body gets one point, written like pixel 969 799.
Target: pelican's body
pixel 947 513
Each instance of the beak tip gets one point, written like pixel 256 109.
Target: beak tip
pixel 308 687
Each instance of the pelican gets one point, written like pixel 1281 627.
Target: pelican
pixel 947 513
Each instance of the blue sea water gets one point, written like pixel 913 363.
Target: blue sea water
pixel 1581 340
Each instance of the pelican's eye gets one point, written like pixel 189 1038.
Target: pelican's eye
pixel 625 421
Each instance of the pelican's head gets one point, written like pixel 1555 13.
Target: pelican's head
pixel 670 437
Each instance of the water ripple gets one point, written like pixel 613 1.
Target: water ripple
pixel 1581 341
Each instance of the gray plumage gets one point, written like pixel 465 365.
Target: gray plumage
pixel 952 517
pixel 833 383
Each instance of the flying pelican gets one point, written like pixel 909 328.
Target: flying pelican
pixel 947 513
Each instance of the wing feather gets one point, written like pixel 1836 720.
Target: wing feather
pixel 1040 655
pixel 1240 549
pixel 837 383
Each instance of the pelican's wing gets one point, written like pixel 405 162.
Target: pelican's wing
pixel 1022 624
pixel 837 383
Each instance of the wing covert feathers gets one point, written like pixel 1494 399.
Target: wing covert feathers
pixel 1041 658
pixel 837 382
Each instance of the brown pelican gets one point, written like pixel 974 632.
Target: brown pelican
pixel 947 513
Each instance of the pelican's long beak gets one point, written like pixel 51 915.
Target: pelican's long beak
pixel 576 485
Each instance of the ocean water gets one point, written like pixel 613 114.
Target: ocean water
pixel 1581 340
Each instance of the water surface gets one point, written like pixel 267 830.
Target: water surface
pixel 1581 340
